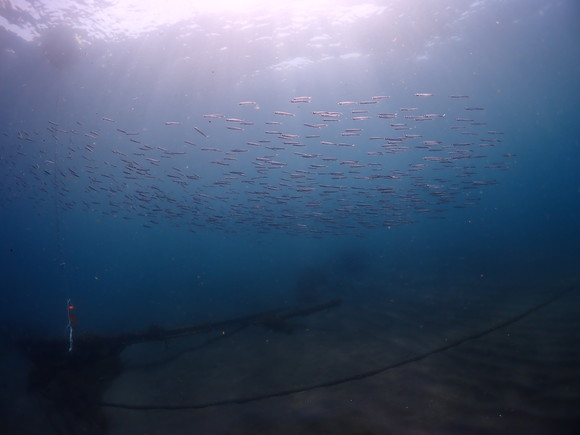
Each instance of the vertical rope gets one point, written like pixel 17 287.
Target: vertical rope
pixel 60 257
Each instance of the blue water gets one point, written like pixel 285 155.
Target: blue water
pixel 141 222
pixel 123 260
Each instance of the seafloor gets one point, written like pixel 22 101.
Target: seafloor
pixel 523 378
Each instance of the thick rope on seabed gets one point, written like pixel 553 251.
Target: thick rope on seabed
pixel 351 378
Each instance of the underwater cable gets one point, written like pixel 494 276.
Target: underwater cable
pixel 355 377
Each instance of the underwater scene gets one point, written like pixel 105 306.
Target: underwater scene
pixel 292 217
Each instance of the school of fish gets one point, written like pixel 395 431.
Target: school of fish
pixel 309 170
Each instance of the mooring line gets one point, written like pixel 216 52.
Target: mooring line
pixel 356 377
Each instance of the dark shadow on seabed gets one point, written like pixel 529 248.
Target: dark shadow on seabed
pixel 449 360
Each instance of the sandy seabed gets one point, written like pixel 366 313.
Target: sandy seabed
pixel 521 379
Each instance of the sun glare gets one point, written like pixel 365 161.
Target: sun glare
pixel 185 8
pixel 132 18
pixel 249 6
